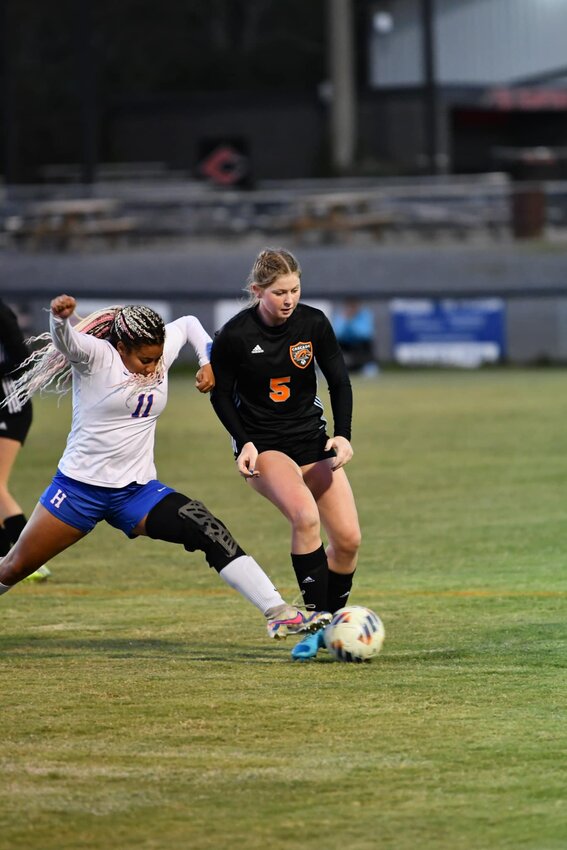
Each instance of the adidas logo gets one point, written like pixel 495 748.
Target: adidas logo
pixel 308 580
pixel 257 350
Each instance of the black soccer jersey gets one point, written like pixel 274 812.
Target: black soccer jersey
pixel 266 383
pixel 13 351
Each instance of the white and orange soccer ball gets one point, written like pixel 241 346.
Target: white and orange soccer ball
pixel 354 634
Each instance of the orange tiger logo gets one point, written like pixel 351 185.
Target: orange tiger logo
pixel 301 354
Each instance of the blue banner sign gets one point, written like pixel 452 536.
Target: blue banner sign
pixel 448 332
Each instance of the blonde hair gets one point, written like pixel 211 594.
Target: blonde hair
pixel 48 370
pixel 269 265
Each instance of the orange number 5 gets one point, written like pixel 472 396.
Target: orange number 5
pixel 278 389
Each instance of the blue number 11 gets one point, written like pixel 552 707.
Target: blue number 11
pixel 141 399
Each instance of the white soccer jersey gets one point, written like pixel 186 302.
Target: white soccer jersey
pixel 111 443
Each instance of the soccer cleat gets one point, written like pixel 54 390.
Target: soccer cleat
pixel 41 574
pixel 309 646
pixel 292 621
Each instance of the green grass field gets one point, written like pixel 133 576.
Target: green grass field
pixel 142 705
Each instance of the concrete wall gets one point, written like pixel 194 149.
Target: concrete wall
pixel 193 276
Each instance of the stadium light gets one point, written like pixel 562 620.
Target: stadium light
pixel 382 23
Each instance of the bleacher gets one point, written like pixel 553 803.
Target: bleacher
pixel 154 207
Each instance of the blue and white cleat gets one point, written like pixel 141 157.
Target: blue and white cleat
pixel 293 621
pixel 309 646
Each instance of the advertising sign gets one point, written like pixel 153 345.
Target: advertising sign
pixel 448 332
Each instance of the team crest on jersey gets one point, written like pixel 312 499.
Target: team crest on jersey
pixel 301 354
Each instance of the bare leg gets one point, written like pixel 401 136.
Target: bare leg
pixel 8 452
pixel 43 537
pixel 281 482
pixel 337 509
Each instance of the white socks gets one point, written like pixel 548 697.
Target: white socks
pixel 249 579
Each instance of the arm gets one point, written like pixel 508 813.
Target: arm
pixel 189 329
pixel 225 365
pixel 78 348
pixel 332 364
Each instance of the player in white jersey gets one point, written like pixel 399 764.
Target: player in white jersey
pixel 118 361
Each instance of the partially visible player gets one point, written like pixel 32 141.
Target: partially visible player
pixel 15 422
pixel 266 397
pixel 118 360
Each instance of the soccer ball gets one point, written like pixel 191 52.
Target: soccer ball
pixel 354 634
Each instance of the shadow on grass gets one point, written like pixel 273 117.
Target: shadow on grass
pixel 35 648
pixel 502 646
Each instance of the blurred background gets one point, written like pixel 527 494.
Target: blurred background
pixel 412 153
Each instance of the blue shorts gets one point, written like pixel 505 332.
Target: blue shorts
pixel 83 505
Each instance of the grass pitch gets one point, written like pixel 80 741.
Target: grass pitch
pixel 143 707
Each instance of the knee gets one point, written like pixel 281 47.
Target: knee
pixel 178 519
pixel 305 518
pixel 348 543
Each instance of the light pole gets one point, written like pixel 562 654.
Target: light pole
pixel 430 94
pixel 87 92
pixel 8 101
pixel 343 85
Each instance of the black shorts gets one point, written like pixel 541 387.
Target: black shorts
pixel 301 451
pixel 15 426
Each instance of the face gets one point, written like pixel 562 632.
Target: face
pixel 142 360
pixel 278 300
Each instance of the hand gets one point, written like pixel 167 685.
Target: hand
pixel 63 306
pixel 205 378
pixel 246 461
pixel 343 449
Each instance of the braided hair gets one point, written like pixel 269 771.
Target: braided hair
pixel 48 370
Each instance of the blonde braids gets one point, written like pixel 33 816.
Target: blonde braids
pixel 48 370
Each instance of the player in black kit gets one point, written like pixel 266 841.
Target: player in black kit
pixel 266 397
pixel 15 422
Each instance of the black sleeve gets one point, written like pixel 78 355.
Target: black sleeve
pixel 224 365
pixel 12 341
pixel 331 362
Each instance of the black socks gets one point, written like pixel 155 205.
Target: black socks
pixel 321 588
pixel 339 587
pixel 4 542
pixel 311 572
pixel 12 528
